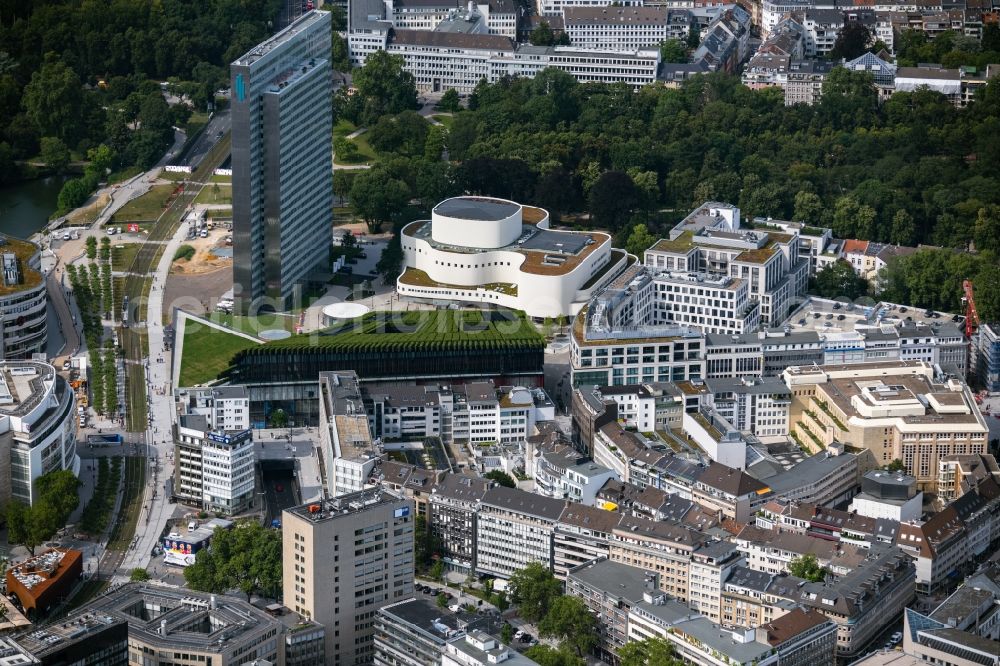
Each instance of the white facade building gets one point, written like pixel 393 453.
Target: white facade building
pixel 37 428
pixel 711 240
pixel 345 438
pixel 215 469
pixel 556 7
pixel 486 250
pixel 760 406
pixel 514 528
pixel 714 304
pixel 615 28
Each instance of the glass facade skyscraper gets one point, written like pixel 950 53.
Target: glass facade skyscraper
pixel 282 162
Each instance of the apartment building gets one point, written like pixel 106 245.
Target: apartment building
pixel 582 534
pixel 644 407
pixel 751 598
pixel 821 29
pixel 473 412
pixel 711 240
pixel 623 28
pixel 711 565
pixel 453 517
pixel 732 493
pixel 801 636
pixel 409 481
pixel 805 79
pixel 344 559
pixel 760 406
pixel 660 547
pixel 864 601
pixel 609 590
pixel 514 529
pixel 899 410
pixel 958 475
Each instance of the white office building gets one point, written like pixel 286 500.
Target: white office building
pixel 711 240
pixel 615 28
pixel 214 469
pixel 514 528
pixel 349 451
pixel 37 428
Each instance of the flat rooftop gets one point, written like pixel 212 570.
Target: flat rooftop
pixel 342 505
pixel 23 385
pixel 426 617
pixel 182 619
pixel 307 20
pixel 485 209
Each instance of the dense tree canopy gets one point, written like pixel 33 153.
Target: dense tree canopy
pixel 534 589
pixel 245 558
pixel 913 170
pixel 53 53
pixel 55 498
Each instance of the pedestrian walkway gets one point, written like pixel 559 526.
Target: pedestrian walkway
pixel 157 509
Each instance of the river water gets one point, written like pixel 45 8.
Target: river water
pixel 25 208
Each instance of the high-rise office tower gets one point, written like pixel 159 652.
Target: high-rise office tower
pixel 282 162
pixel 343 559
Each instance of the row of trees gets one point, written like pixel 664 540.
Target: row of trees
pixel 97 511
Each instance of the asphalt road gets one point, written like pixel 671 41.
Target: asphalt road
pixel 217 127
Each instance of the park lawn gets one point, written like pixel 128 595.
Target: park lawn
pixel 215 178
pixel 208 195
pixel 207 352
pixel 123 254
pixel 343 128
pixel 174 176
pixel 447 121
pixel 365 152
pixel 146 208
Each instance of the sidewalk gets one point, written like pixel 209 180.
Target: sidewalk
pixel 157 510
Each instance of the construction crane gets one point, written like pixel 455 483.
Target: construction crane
pixel 971 315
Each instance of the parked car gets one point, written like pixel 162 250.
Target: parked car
pixel 67 365
pixel 454 608
pixel 66 236
pixel 435 592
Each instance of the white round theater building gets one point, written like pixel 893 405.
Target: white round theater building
pixel 494 251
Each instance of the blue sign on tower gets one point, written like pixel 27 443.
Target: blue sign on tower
pixel 241 92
